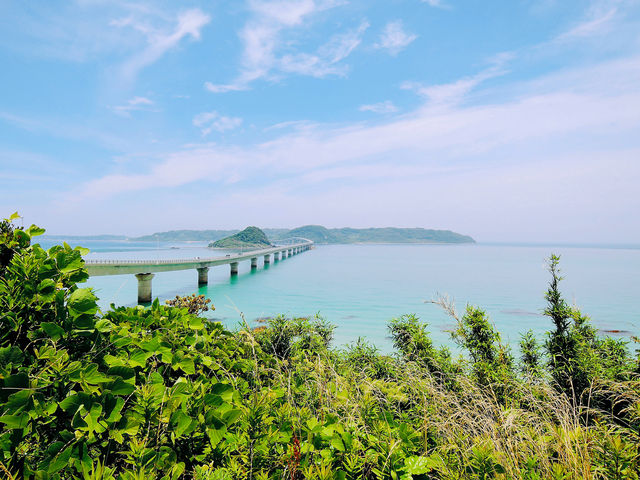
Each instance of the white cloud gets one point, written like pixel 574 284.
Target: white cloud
pixel 188 23
pixel 133 104
pixel 599 22
pixel 455 92
pixel 262 37
pixel 549 119
pixel 434 3
pixel 210 121
pixel 394 39
pixel 381 107
pixel 325 61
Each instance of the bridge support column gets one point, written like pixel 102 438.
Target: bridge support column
pixel 276 256
pixel 144 287
pixel 234 268
pixel 254 263
pixel 267 259
pixel 203 276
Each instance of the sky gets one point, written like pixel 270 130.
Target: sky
pixel 506 120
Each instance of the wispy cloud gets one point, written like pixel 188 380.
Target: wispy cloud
pixel 326 60
pixel 428 137
pixel 434 3
pixel 133 104
pixel 394 39
pixel 599 22
pixel 381 107
pixel 456 91
pixel 188 23
pixel 210 121
pixel 262 36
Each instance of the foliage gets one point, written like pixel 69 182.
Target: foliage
pixel 577 356
pixel 160 393
pixel 195 304
pixel 250 237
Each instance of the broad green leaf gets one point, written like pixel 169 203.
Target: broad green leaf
pixel 139 358
pixel 17 400
pixel 231 416
pixel 54 331
pixel 34 231
pixel 224 390
pixel 120 387
pixel 11 355
pixel 15 421
pixel 181 421
pixel 122 371
pixel 82 301
pixel 187 366
pixel 61 460
pixel 337 443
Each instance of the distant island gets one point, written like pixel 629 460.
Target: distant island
pixel 321 235
pixel 317 233
pixel 250 237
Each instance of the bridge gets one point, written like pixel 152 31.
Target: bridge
pixel 144 269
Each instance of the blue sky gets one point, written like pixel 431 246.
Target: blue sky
pixel 508 120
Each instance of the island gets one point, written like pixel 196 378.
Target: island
pixel 250 237
pixel 321 235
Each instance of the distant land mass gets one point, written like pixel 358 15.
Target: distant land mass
pixel 317 233
pixel 320 234
pixel 202 235
pixel 250 237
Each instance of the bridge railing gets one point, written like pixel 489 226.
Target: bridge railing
pixel 91 261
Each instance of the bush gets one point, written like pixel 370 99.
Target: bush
pixel 159 393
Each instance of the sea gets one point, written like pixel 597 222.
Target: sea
pixel 360 288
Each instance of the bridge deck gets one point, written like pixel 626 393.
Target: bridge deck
pixel 122 267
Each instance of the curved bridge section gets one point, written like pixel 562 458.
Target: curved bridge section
pixel 144 269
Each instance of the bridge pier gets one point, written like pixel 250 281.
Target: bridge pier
pixel 144 287
pixel 234 268
pixel 254 263
pixel 267 259
pixel 276 256
pixel 203 276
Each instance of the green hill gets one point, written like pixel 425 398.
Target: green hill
pixel 250 237
pixel 320 234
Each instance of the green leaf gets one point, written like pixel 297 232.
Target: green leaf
pixel 61 460
pixel 187 366
pixel 230 416
pixel 11 355
pixel 52 330
pixel 182 422
pixel 337 443
pixel 15 421
pixel 104 326
pixel 34 231
pixel 122 371
pixel 120 387
pixel 47 289
pixel 82 301
pixel 215 435
pixel 13 216
pixel 139 358
pixel 71 403
pixel 224 390
pixel 17 400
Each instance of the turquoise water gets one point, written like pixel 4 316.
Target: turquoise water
pixel 360 287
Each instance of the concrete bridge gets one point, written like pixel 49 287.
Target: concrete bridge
pixel 144 269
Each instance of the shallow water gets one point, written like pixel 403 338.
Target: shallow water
pixel 360 287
